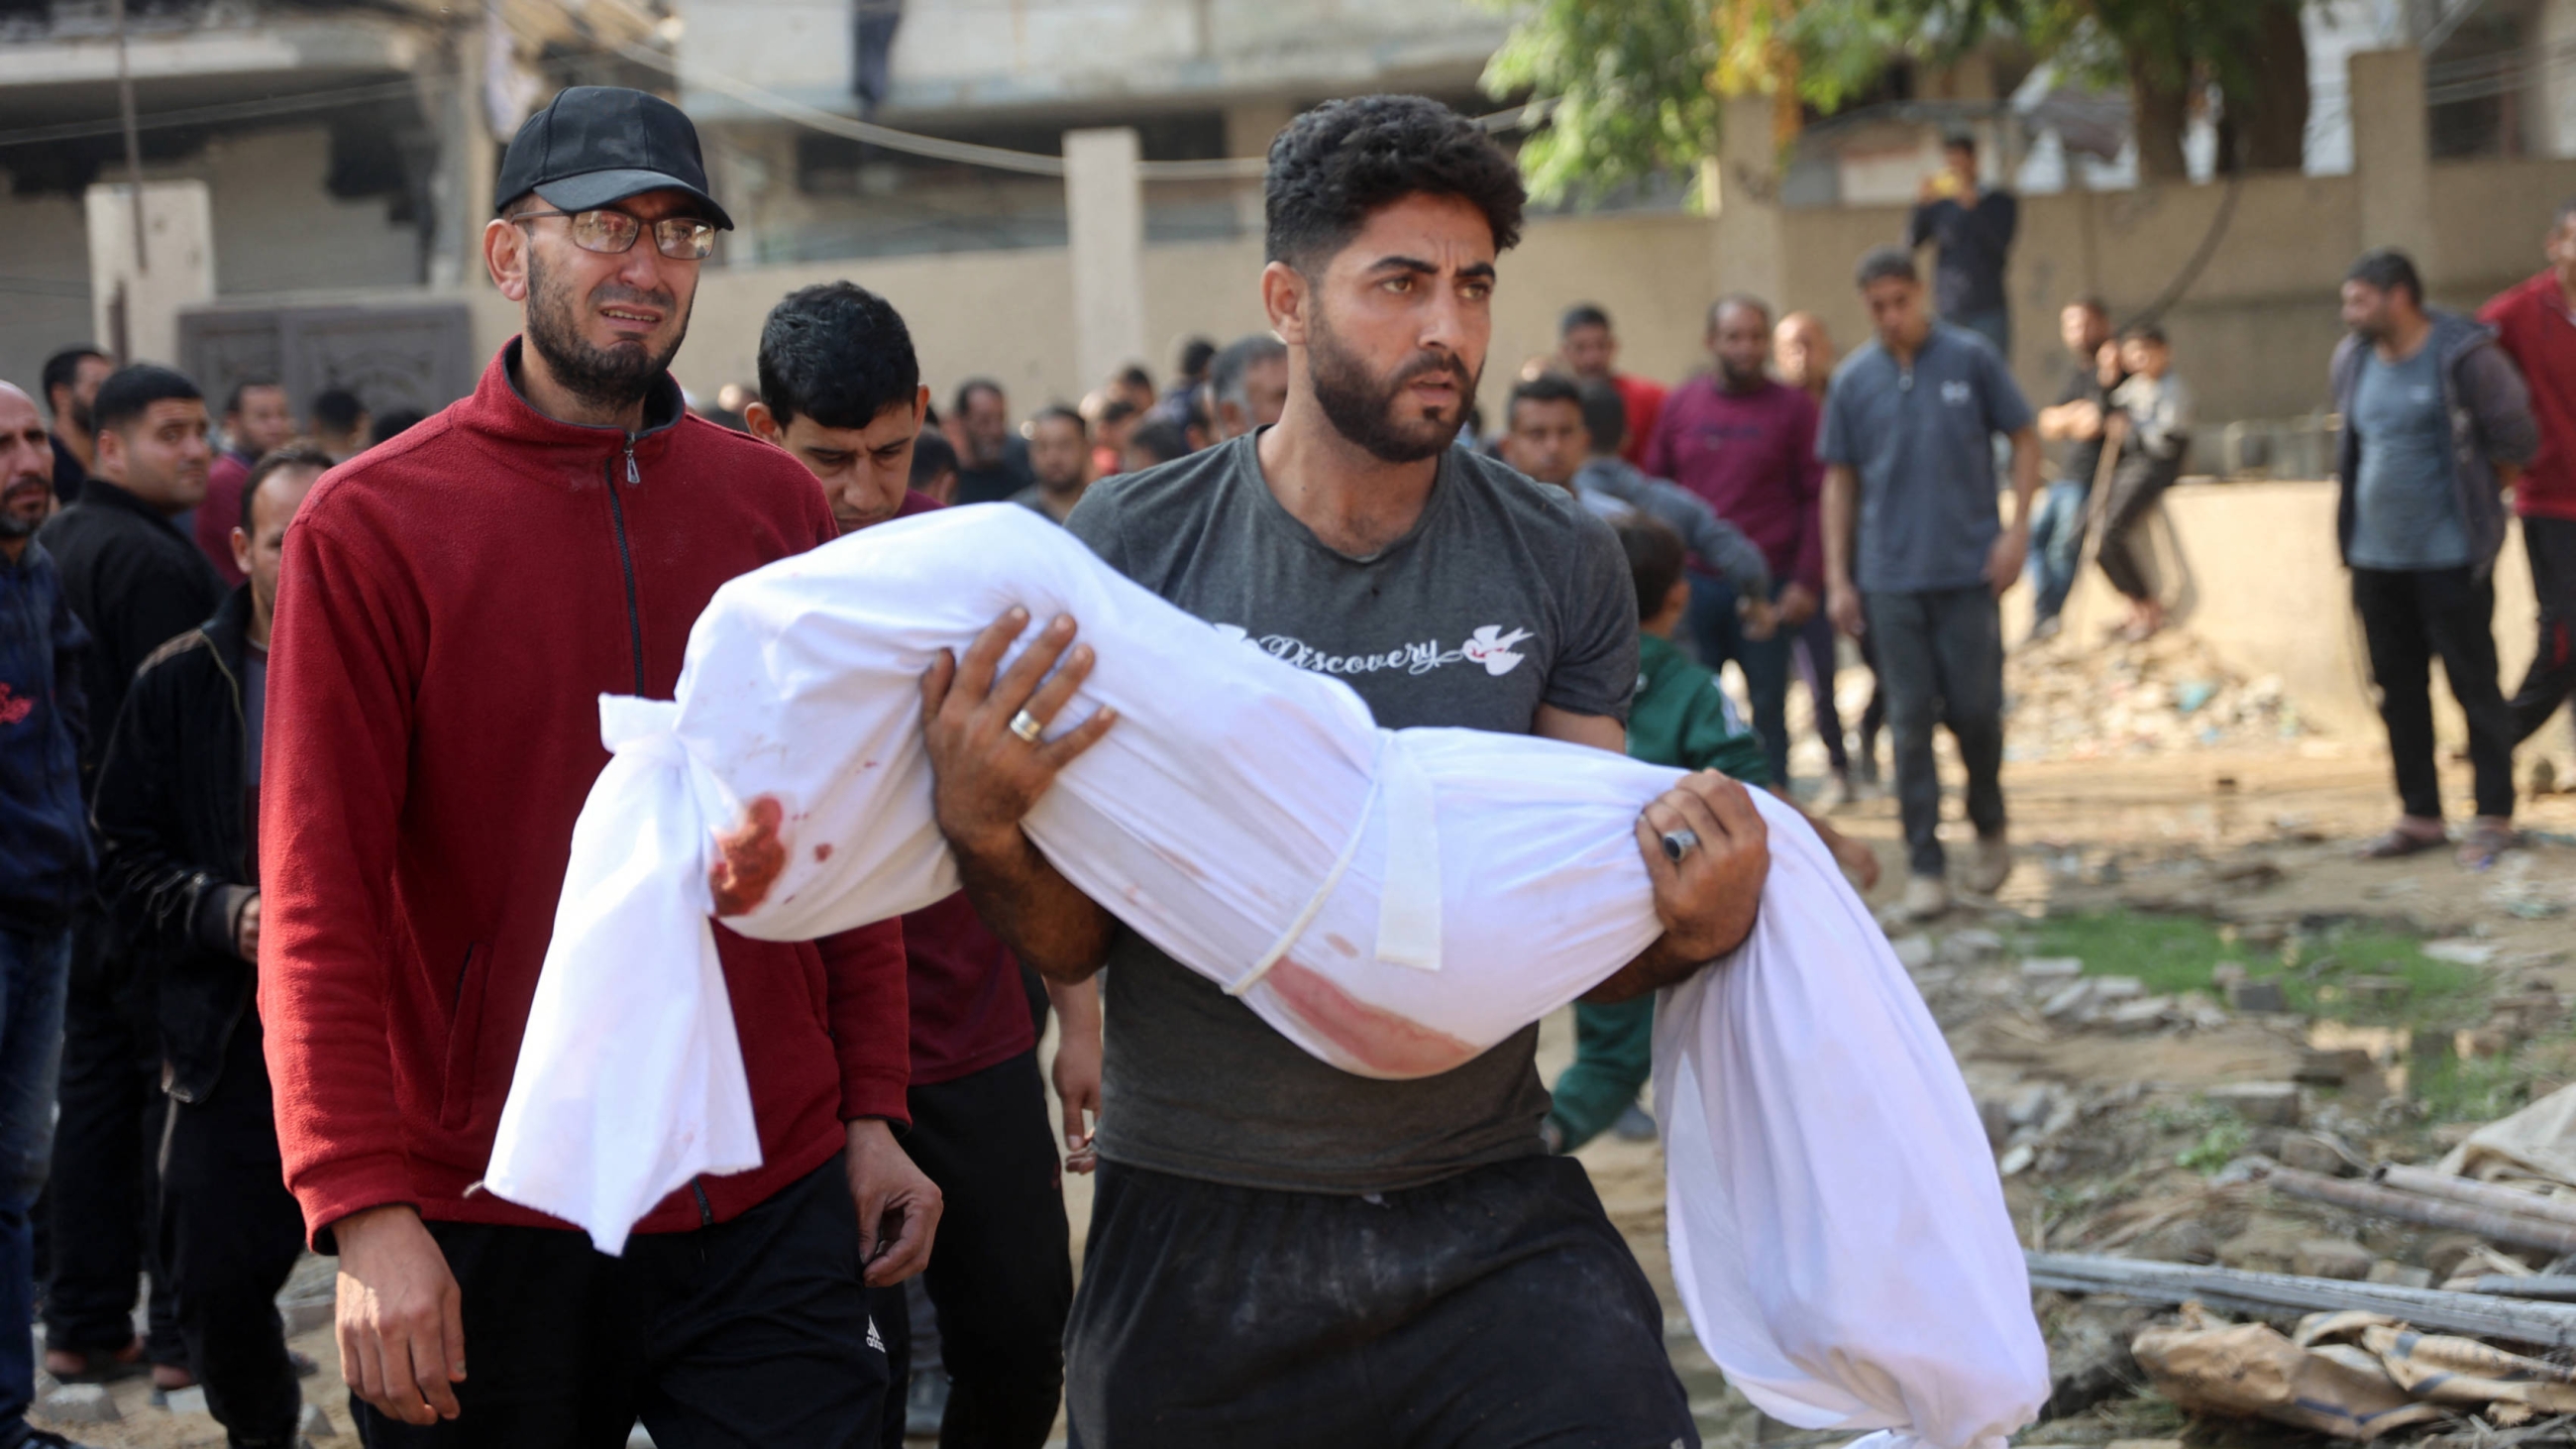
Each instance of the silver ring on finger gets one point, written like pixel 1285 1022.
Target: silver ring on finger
pixel 1027 726
pixel 1679 843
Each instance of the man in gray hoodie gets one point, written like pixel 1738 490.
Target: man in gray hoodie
pixel 2436 425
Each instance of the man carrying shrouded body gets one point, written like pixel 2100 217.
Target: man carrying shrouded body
pixel 1282 1253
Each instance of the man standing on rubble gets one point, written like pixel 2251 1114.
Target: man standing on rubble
pixel 1916 554
pixel 2436 425
pixel 1282 1253
pixel 452 606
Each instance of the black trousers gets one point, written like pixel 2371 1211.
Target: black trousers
pixel 1497 1307
pixel 107 1143
pixel 2137 482
pixel 1001 1272
pixel 2410 617
pixel 230 1233
pixel 1941 661
pixel 2551 545
pixel 749 1333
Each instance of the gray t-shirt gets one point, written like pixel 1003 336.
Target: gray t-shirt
pixel 1922 441
pixel 2406 502
pixel 1505 596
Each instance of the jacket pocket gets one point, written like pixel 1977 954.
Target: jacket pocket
pixel 465 1027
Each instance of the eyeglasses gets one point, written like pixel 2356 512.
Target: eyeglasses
pixel 681 238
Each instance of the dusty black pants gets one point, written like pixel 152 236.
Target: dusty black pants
pixel 2136 483
pixel 2551 544
pixel 2410 617
pixel 230 1233
pixel 1497 1307
pixel 749 1333
pixel 1001 1270
pixel 106 1142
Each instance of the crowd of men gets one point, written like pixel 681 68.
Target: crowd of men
pixel 293 734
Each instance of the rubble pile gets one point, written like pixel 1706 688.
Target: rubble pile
pixel 2239 1205
pixel 2071 701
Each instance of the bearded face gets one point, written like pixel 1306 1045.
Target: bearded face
pixel 1382 413
pixel 613 376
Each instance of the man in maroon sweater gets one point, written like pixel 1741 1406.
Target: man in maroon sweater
pixel 452 606
pixel 1747 445
pixel 840 390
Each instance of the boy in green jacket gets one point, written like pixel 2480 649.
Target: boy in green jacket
pixel 1681 718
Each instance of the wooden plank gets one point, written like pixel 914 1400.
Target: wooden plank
pixel 2481 1194
pixel 2511 1228
pixel 2519 1320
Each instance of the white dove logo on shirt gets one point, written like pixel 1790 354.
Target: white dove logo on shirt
pixel 1492 648
pixel 1488 646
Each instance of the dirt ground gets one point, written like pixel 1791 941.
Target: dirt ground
pixel 2251 836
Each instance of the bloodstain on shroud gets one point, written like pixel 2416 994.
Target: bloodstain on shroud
pixel 749 858
pixel 1377 1040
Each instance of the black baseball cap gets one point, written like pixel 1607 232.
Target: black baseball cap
pixel 592 145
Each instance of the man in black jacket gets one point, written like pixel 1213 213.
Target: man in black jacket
pixel 135 581
pixel 179 850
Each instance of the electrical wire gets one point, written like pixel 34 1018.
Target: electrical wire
pixel 935 148
pixel 1026 163
pixel 227 111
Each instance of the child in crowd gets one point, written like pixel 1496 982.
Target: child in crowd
pixel 1680 717
pixel 2152 429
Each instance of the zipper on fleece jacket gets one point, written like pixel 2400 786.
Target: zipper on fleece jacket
pixel 626 557
pixel 635 643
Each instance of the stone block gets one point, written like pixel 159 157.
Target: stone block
pixel 1914 952
pixel 2136 1018
pixel 2335 1068
pixel 2310 1153
pixel 2051 968
pixel 1995 1115
pixel 316 1423
pixel 2227 975
pixel 2333 1258
pixel 80 1404
pixel 2400 1275
pixel 2028 1104
pixel 190 1400
pixel 2265 1104
pixel 2069 999
pixel 1971 947
pixel 2257 996
pixel 2377 990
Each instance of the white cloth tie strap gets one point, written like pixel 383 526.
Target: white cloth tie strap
pixel 1408 917
pixel 1408 909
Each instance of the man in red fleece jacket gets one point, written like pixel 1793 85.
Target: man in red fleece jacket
pixel 2535 324
pixel 452 606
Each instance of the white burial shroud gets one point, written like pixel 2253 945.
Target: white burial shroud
pixel 1392 901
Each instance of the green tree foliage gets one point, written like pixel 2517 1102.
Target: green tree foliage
pixel 1631 82
pixel 1636 81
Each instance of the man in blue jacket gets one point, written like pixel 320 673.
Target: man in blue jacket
pixel 2436 425
pixel 44 871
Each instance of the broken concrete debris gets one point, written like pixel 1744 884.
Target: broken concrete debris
pixel 2267 1104
pixel 80 1404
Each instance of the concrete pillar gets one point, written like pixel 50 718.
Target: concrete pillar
pixel 461 182
pixel 2553 130
pixel 1104 204
pixel 1741 185
pixel 1249 129
pixel 2391 155
pixel 179 248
